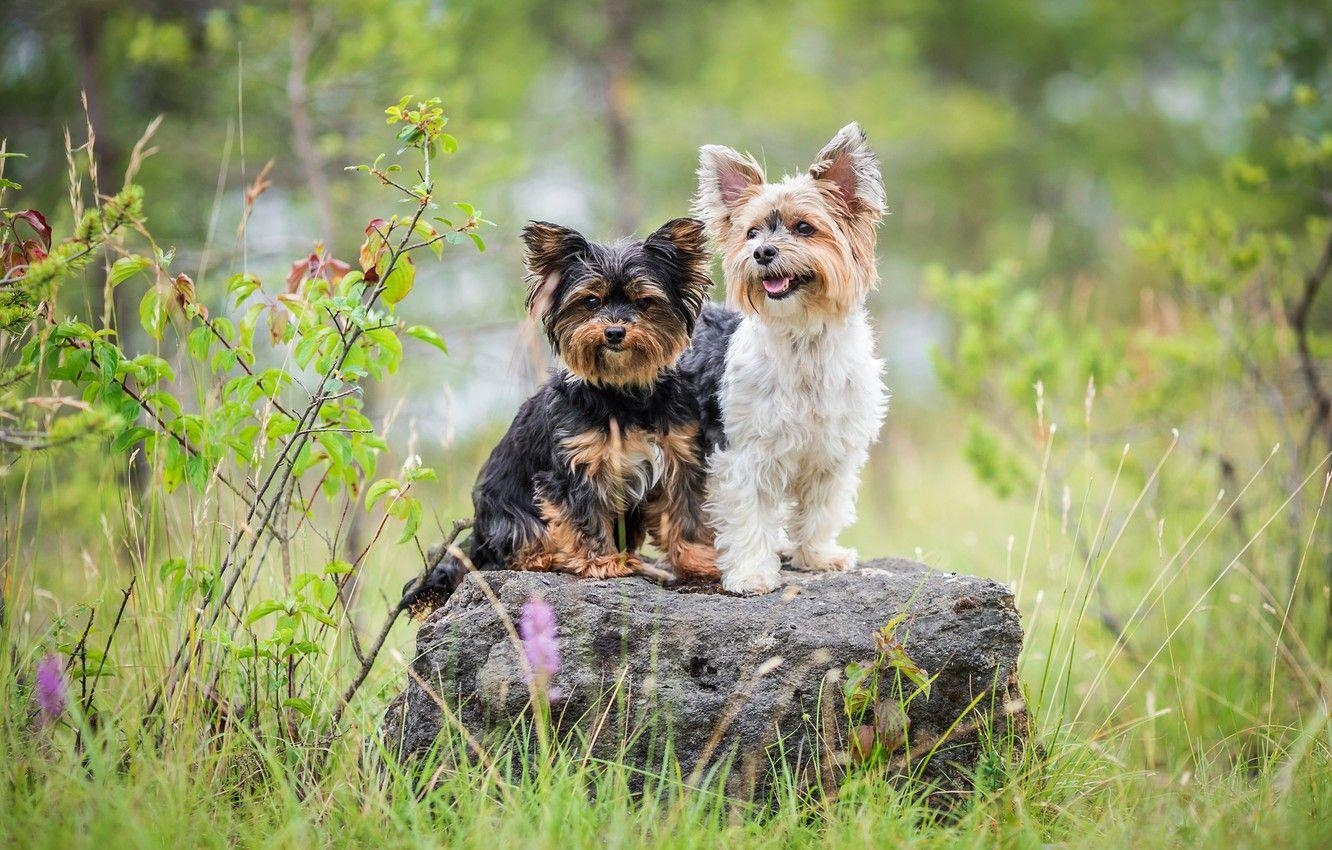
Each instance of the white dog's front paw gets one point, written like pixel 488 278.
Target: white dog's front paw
pixel 824 559
pixel 761 577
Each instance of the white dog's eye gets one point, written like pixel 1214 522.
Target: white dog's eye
pixel 753 233
pixel 804 228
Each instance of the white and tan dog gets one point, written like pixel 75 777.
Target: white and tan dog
pixel 792 392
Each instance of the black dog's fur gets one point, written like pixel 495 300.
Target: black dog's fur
pixel 609 450
pixel 704 364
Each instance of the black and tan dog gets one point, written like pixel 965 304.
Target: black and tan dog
pixel 607 452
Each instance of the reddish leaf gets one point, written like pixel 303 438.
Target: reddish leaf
pixel 318 265
pixel 185 294
pixel 37 222
pixel 334 269
pixel 373 248
pixel 34 250
pixel 300 270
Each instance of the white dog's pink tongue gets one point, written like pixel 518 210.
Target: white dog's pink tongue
pixel 776 285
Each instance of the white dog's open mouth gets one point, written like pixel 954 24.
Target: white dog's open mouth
pixel 778 288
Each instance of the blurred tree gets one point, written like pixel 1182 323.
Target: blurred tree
pixel 1229 345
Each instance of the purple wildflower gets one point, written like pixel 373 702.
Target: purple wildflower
pixel 52 691
pixel 540 644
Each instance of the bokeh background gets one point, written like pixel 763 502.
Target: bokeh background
pixel 1035 135
pixel 1034 131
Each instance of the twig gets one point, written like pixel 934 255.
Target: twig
pixel 1299 314
pixel 166 429
pixel 106 649
pixel 240 361
pixel 83 639
pixel 396 611
pixel 101 664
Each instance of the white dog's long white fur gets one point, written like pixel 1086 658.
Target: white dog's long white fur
pixel 802 396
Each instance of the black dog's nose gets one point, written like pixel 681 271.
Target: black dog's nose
pixel 615 334
pixel 765 254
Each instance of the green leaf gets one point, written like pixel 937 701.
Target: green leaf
pixel 413 519
pixel 900 662
pixel 163 401
pixel 299 704
pixel 317 613
pixel 173 467
pixel 200 340
pixel 337 568
pixel 429 235
pixel 303 580
pixel 263 609
pixel 279 425
pixel 305 349
pixel 421 473
pixel 399 281
pixel 349 280
pixel 171 567
pixel 427 336
pixel 224 360
pixel 859 688
pixel 241 285
pixel 128 438
pixel 197 470
pixel 126 268
pixel 378 490
pixel 152 313
pixel 154 368
pixel 304 647
pixel 478 241
pixel 390 347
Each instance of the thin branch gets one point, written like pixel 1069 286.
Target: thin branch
pixel 1299 315
pixel 164 428
pixel 241 362
pixel 394 613
pixel 106 649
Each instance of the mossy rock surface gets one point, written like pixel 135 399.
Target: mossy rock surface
pixel 740 683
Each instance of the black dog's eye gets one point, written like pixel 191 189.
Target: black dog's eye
pixel 591 302
pixel 804 228
pixel 753 232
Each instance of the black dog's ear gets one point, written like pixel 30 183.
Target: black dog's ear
pixel 548 250
pixel 680 239
pixel 681 244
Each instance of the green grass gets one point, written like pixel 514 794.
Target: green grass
pixel 1208 727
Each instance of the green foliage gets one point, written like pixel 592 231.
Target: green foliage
pixel 1227 347
pixel 263 423
pixel 875 696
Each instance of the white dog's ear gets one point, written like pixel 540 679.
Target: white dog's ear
pixel 848 163
pixel 724 177
pixel 548 250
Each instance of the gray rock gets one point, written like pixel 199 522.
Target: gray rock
pixel 749 682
